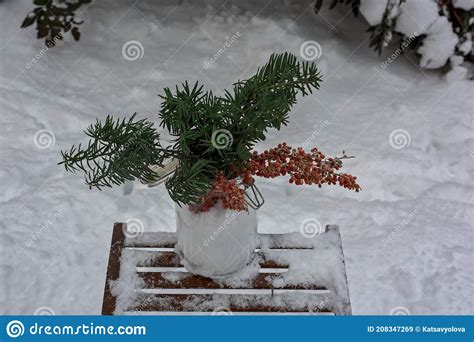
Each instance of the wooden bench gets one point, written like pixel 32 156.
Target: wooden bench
pixel 291 274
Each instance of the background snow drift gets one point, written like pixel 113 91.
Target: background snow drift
pixel 407 236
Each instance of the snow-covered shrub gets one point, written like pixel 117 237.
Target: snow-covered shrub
pixel 440 31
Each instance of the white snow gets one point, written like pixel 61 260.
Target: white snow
pixel 439 44
pixel 456 73
pixel 466 46
pixel 464 4
pixel 123 288
pixel 416 16
pixel 408 238
pixel 373 10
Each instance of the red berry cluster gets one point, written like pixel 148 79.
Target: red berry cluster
pixel 225 190
pixel 302 168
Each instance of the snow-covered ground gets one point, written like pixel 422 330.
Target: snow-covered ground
pixel 408 236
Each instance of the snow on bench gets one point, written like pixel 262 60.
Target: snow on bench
pixel 291 274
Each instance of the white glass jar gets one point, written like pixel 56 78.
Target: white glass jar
pixel 218 242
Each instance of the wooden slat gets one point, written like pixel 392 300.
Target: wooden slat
pixel 152 240
pixel 168 240
pixel 181 269
pixel 233 313
pixel 180 303
pixel 163 259
pixel 345 297
pixel 260 281
pixel 235 291
pixel 170 259
pixel 113 268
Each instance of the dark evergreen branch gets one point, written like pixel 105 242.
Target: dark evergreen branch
pixel 118 151
pixel 123 150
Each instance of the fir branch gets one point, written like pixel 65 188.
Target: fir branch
pixel 124 150
pixel 118 151
pixel 255 105
pixel 190 181
pixel 264 100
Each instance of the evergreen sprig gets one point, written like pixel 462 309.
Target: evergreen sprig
pixel 264 100
pixel 192 116
pixel 118 151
